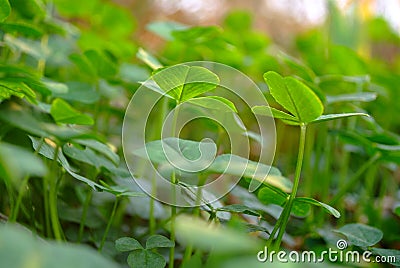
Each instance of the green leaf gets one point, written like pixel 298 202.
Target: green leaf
pixel 272 112
pixel 16 163
pixel 327 117
pixel 19 248
pixel 127 244
pixel 29 46
pixel 80 92
pixel 165 29
pixel 121 190
pixel 87 156
pixel 159 241
pixel 149 59
pixel 300 68
pixel 202 235
pixel 184 82
pixel 29 9
pixel 300 209
pixel 258 173
pixel 16 88
pixel 103 148
pixel 215 103
pixel 396 210
pixel 197 34
pixel 314 202
pixel 352 97
pixel 388 254
pixel 295 97
pixel 101 63
pixel 47 149
pixel 5 9
pixel 189 155
pixel 23 28
pixel 360 234
pixel 256 228
pixel 145 259
pixel 239 208
pixel 269 195
pixel 62 112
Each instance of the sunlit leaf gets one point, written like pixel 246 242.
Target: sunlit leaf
pixel 62 112
pixel 185 82
pixel 295 97
pixel 327 117
pixel 5 9
pixel 149 59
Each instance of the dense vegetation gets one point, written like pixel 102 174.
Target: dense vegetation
pixel 68 70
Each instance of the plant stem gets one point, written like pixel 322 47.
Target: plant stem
pixel 152 220
pixel 15 211
pixel 289 204
pixel 173 194
pixel 88 199
pixel 276 228
pixel 353 180
pixel 110 221
pixel 53 197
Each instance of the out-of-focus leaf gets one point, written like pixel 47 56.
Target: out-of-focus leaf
pixel 165 28
pixel 214 102
pixel 389 254
pixel 360 234
pixel 80 92
pixel 19 247
pixel 5 9
pixel 16 162
pixel 351 97
pixel 149 59
pixel 207 236
pixel 23 28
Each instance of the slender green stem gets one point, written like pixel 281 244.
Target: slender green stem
pixel 46 206
pixel 276 228
pixel 173 194
pixel 21 192
pixel 82 223
pixel 353 180
pixel 152 219
pixel 110 221
pixel 53 197
pixel 289 204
